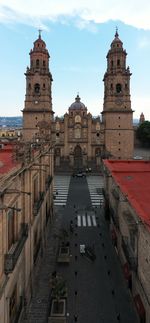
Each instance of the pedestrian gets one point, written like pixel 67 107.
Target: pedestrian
pixel 113 292
pixel 118 317
pixel 75 318
pixel 71 227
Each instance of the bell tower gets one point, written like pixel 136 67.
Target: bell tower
pixel 38 98
pixel 117 113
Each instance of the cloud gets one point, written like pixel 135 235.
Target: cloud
pixel 35 12
pixel 144 43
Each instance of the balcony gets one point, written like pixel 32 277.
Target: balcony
pixel 48 182
pixel 12 256
pixel 114 216
pixel 115 193
pixel 131 258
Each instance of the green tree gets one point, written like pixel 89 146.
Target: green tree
pixel 143 133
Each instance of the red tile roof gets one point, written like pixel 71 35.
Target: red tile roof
pixel 6 159
pixel 133 178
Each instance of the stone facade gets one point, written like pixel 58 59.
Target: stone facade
pixel 130 233
pixel 117 113
pixel 38 99
pixel 26 211
pixel 79 137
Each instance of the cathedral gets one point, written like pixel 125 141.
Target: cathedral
pixel 81 140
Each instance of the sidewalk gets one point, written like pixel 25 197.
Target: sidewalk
pixel 38 310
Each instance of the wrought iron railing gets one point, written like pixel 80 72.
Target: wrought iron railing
pixel 48 181
pixel 12 256
pixel 131 258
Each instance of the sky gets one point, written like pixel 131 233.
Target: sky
pixel 78 34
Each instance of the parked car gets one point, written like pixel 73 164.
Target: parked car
pixel 138 157
pixel 79 174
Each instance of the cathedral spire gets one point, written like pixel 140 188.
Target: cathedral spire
pixel 40 30
pixel 116 34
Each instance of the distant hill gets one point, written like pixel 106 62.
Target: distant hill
pixel 17 122
pixel 11 122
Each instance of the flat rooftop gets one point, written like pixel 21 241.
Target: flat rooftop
pixel 133 178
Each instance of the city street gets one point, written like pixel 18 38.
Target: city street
pixel 96 289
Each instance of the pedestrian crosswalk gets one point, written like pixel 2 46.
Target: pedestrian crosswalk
pixel 95 185
pixel 61 187
pixel 86 220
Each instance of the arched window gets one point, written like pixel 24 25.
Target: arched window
pixel 112 63
pixel 118 62
pixel 118 88
pixel 44 64
pixel 37 62
pixel 37 88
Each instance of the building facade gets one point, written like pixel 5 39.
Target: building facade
pixel 117 113
pixel 81 139
pixel 127 191
pixel 26 190
pixel 38 98
pixel 26 212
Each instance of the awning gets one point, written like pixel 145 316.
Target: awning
pixel 126 270
pixel 139 306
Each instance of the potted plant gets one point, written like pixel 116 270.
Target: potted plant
pixel 59 294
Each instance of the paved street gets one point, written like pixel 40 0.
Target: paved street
pixel 96 288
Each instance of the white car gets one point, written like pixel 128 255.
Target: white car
pixel 138 157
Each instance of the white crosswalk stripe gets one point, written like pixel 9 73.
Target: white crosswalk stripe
pixel 95 185
pixel 86 221
pixel 60 190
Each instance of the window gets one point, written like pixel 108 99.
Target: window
pixel 44 86
pixel 29 86
pixel 97 134
pixel 118 62
pixel 77 119
pixel 118 117
pixel 111 86
pixel 44 63
pixel 118 88
pixel 57 134
pixel 112 63
pixel 11 228
pixel 35 190
pixel 37 88
pixel 37 63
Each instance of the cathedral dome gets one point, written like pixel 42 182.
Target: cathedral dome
pixel 116 42
pixel 77 105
